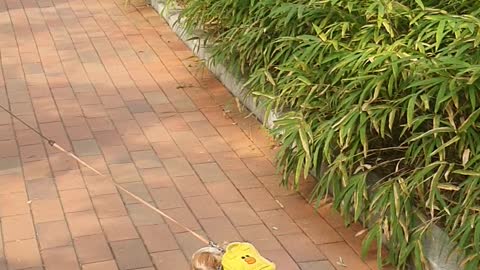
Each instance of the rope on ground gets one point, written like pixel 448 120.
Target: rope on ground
pixel 70 154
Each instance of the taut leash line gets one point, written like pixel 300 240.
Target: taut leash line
pixel 54 144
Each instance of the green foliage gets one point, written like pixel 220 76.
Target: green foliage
pixel 368 87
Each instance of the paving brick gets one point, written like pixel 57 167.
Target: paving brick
pixel 155 98
pixel 260 199
pixel 88 98
pixel 260 166
pixel 70 179
pixel 138 106
pixel 106 265
pixel 36 169
pixel 13 204
pixel 203 129
pixel 40 189
pixel 94 111
pixel 184 216
pixel 228 161
pixel 189 243
pixel 156 133
pixel 210 172
pixel 193 116
pixel 7 132
pixel 116 154
pixel 279 222
pixel 296 207
pixel 60 258
pixel 11 183
pixel 59 162
pixel 86 148
pixel 173 259
pixel 196 154
pixel 317 265
pixel 81 132
pixel 151 235
pixel 301 247
pixel 217 118
pixel 83 223
pixel 220 230
pixel 137 188
pixel 9 149
pixel 53 234
pixel 260 236
pixel 215 144
pixel 22 254
pixel 100 124
pixel 97 162
pixel 142 215
pixel 146 119
pixel 243 179
pixel 334 251
pixel 273 184
pixel 189 186
pixel 281 259
pixel 75 200
pixel 240 213
pixel 113 101
pixel 108 138
pixel 10 166
pixel 99 185
pixel 33 152
pixel 124 173
pixel 131 254
pixel 175 123
pixel 318 230
pixel 156 178
pixel 146 159
pixel 331 216
pixel 224 192
pixel 136 142
pixel 25 137
pixel 46 210
pixel 167 149
pixel 16 228
pixel 110 205
pixel 92 248
pixel 118 228
pixel 178 166
pixel 167 198
pixel 237 139
pixel 204 207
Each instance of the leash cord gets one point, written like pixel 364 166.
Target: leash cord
pixel 54 144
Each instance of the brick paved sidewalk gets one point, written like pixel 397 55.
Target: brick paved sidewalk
pixel 119 88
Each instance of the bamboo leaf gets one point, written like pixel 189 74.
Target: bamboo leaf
pixel 411 110
pixel 440 34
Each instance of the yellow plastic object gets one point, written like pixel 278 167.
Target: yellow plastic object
pixel 244 256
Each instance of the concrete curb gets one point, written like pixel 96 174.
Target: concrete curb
pixel 437 246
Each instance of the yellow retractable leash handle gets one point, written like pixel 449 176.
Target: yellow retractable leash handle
pixel 244 256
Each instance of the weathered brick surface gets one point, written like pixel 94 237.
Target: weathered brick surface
pixel 115 85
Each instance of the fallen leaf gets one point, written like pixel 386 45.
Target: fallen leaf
pixel 340 262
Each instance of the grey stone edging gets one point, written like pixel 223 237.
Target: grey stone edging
pixel 436 245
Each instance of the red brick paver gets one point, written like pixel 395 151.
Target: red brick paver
pixel 115 85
